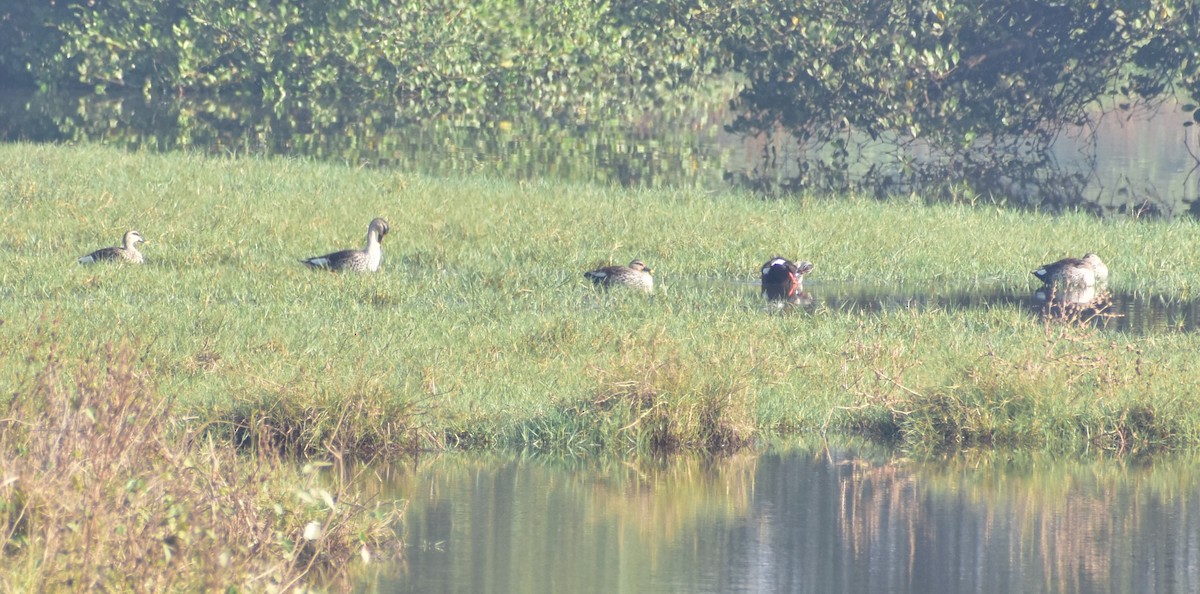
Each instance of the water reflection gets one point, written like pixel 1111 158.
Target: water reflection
pixel 1075 303
pixel 799 301
pixel 801 521
pixel 1137 162
pixel 1121 165
pixel 681 145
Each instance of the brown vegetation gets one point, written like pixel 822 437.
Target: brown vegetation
pixel 103 487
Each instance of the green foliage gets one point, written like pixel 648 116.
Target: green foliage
pixel 948 77
pixel 886 95
pixel 447 54
pixel 883 95
pixel 28 41
pixel 880 67
pixel 1167 55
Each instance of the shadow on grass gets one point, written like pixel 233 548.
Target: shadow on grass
pixel 1123 311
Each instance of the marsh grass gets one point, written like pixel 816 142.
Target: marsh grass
pixel 105 487
pixel 480 331
pixel 656 408
pixel 362 420
pixel 1076 390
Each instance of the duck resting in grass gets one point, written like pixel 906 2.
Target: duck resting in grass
pixel 636 276
pixel 364 260
pixel 1087 271
pixel 127 252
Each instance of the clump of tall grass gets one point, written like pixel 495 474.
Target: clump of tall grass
pixel 103 487
pixel 1079 390
pixel 657 408
pixel 310 419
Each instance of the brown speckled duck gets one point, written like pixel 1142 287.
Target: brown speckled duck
pixel 128 251
pixel 636 276
pixel 1076 272
pixel 364 260
pixel 782 278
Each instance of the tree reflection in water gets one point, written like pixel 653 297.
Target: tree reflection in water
pixel 1119 167
pixel 813 519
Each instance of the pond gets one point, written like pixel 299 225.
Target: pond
pixel 803 519
pixel 1140 162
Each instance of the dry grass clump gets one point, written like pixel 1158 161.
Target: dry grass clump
pixel 1076 390
pixel 103 488
pixel 654 409
pixel 307 419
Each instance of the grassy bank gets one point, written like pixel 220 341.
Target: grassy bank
pixel 480 330
pixel 106 487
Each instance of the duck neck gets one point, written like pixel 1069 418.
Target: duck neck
pixel 374 249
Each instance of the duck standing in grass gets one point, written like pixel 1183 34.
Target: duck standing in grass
pixel 636 276
pixel 128 252
pixel 1087 271
pixel 364 260
pixel 783 279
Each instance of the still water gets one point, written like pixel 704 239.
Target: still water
pixel 810 519
pixel 1140 162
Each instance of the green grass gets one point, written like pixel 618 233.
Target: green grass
pixel 480 331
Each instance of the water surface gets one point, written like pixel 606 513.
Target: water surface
pixel 1138 162
pixel 805 520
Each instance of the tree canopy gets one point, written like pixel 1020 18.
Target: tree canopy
pixel 940 85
